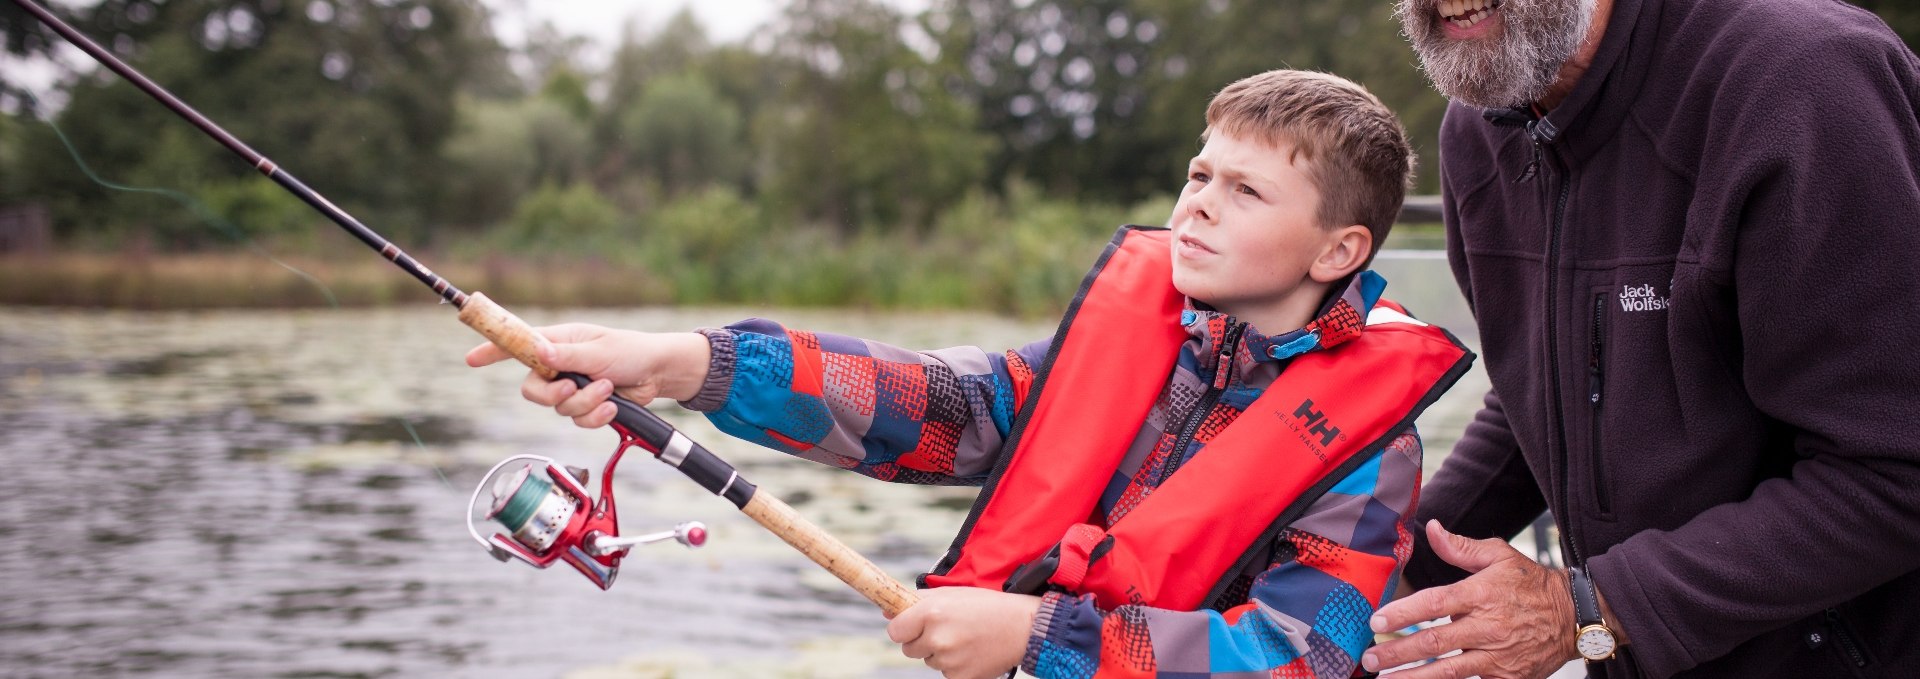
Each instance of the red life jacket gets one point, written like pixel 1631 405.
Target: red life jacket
pixel 1325 415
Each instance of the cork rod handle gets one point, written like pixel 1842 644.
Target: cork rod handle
pixel 506 331
pixel 864 576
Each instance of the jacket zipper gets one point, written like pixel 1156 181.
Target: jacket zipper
pixel 1222 377
pixel 1596 374
pixel 1540 131
pixel 1844 634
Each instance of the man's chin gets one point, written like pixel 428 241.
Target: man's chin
pixel 1460 74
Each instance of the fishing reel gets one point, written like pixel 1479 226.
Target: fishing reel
pixel 549 516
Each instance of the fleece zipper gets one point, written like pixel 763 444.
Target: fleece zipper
pixel 1222 377
pixel 1843 635
pixel 1596 377
pixel 1541 133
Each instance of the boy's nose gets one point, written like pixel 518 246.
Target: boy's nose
pixel 1201 205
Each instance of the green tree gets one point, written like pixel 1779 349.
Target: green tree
pixel 866 133
pixel 12 153
pixel 23 34
pixel 502 149
pixel 1106 98
pixel 684 134
pixel 676 49
pixel 354 96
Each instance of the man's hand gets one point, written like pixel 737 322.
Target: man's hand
pixel 1513 618
pixel 640 365
pixel 966 632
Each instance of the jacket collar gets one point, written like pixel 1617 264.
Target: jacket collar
pixel 1341 318
pixel 1599 101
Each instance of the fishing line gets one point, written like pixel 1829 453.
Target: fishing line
pixel 592 545
pixel 423 449
pixel 226 228
pixel 193 205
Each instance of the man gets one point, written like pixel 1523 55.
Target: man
pixel 1688 232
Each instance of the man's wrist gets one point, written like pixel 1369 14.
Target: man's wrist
pixel 1561 594
pixel 1607 617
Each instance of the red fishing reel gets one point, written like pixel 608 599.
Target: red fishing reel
pixel 549 516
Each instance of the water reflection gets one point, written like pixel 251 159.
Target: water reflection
pixel 242 495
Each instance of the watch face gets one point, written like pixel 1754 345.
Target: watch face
pixel 1595 643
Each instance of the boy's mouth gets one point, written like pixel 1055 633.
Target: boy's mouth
pixel 1461 18
pixel 1191 243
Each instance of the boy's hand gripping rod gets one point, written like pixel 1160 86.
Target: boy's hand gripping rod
pixel 517 338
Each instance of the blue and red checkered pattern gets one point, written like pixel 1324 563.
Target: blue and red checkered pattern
pixel 939 417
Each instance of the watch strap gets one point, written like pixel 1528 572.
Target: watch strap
pixel 1586 604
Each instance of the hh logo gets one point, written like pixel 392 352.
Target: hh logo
pixel 1317 422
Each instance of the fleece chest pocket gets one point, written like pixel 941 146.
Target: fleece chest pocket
pixel 1622 398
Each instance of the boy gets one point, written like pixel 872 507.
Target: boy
pixel 1206 469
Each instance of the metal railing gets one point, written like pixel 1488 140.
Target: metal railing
pixel 1420 210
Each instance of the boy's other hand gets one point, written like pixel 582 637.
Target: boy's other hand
pixel 966 632
pixel 640 366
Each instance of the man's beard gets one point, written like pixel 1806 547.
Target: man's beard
pixel 1511 68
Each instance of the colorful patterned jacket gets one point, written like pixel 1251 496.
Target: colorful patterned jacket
pixel 939 417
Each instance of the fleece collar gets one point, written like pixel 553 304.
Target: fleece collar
pixel 1341 318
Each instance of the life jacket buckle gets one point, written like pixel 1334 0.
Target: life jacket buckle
pixel 1063 567
pixel 1033 577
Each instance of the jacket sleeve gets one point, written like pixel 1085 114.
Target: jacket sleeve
pixel 1815 180
pixel 1304 616
pixel 933 417
pixel 1484 488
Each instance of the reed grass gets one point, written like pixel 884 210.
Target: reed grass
pixel 238 279
pixel 1027 266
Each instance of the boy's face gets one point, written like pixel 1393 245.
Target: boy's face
pixel 1246 231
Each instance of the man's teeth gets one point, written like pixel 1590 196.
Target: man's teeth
pixel 1465 13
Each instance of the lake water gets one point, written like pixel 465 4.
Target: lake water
pixel 282 494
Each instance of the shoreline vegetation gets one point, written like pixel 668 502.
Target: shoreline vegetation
pixel 848 154
pixel 1020 276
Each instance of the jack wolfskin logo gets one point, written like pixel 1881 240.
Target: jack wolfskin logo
pixel 1317 422
pixel 1642 298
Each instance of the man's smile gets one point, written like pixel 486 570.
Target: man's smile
pixel 1466 18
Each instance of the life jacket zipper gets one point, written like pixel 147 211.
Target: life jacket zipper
pixel 1222 378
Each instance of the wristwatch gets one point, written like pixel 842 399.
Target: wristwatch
pixel 1594 640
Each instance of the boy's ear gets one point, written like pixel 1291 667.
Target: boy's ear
pixel 1346 248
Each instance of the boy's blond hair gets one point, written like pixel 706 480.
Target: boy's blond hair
pixel 1357 154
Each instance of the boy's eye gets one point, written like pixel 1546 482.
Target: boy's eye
pixel 1198 177
pixel 1249 191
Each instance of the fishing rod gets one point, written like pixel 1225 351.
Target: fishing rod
pixel 546 507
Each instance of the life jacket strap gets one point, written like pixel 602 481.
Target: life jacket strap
pixel 1063 567
pixel 1076 550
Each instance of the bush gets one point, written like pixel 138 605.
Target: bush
pixel 571 219
pixel 702 242
pixel 257 207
